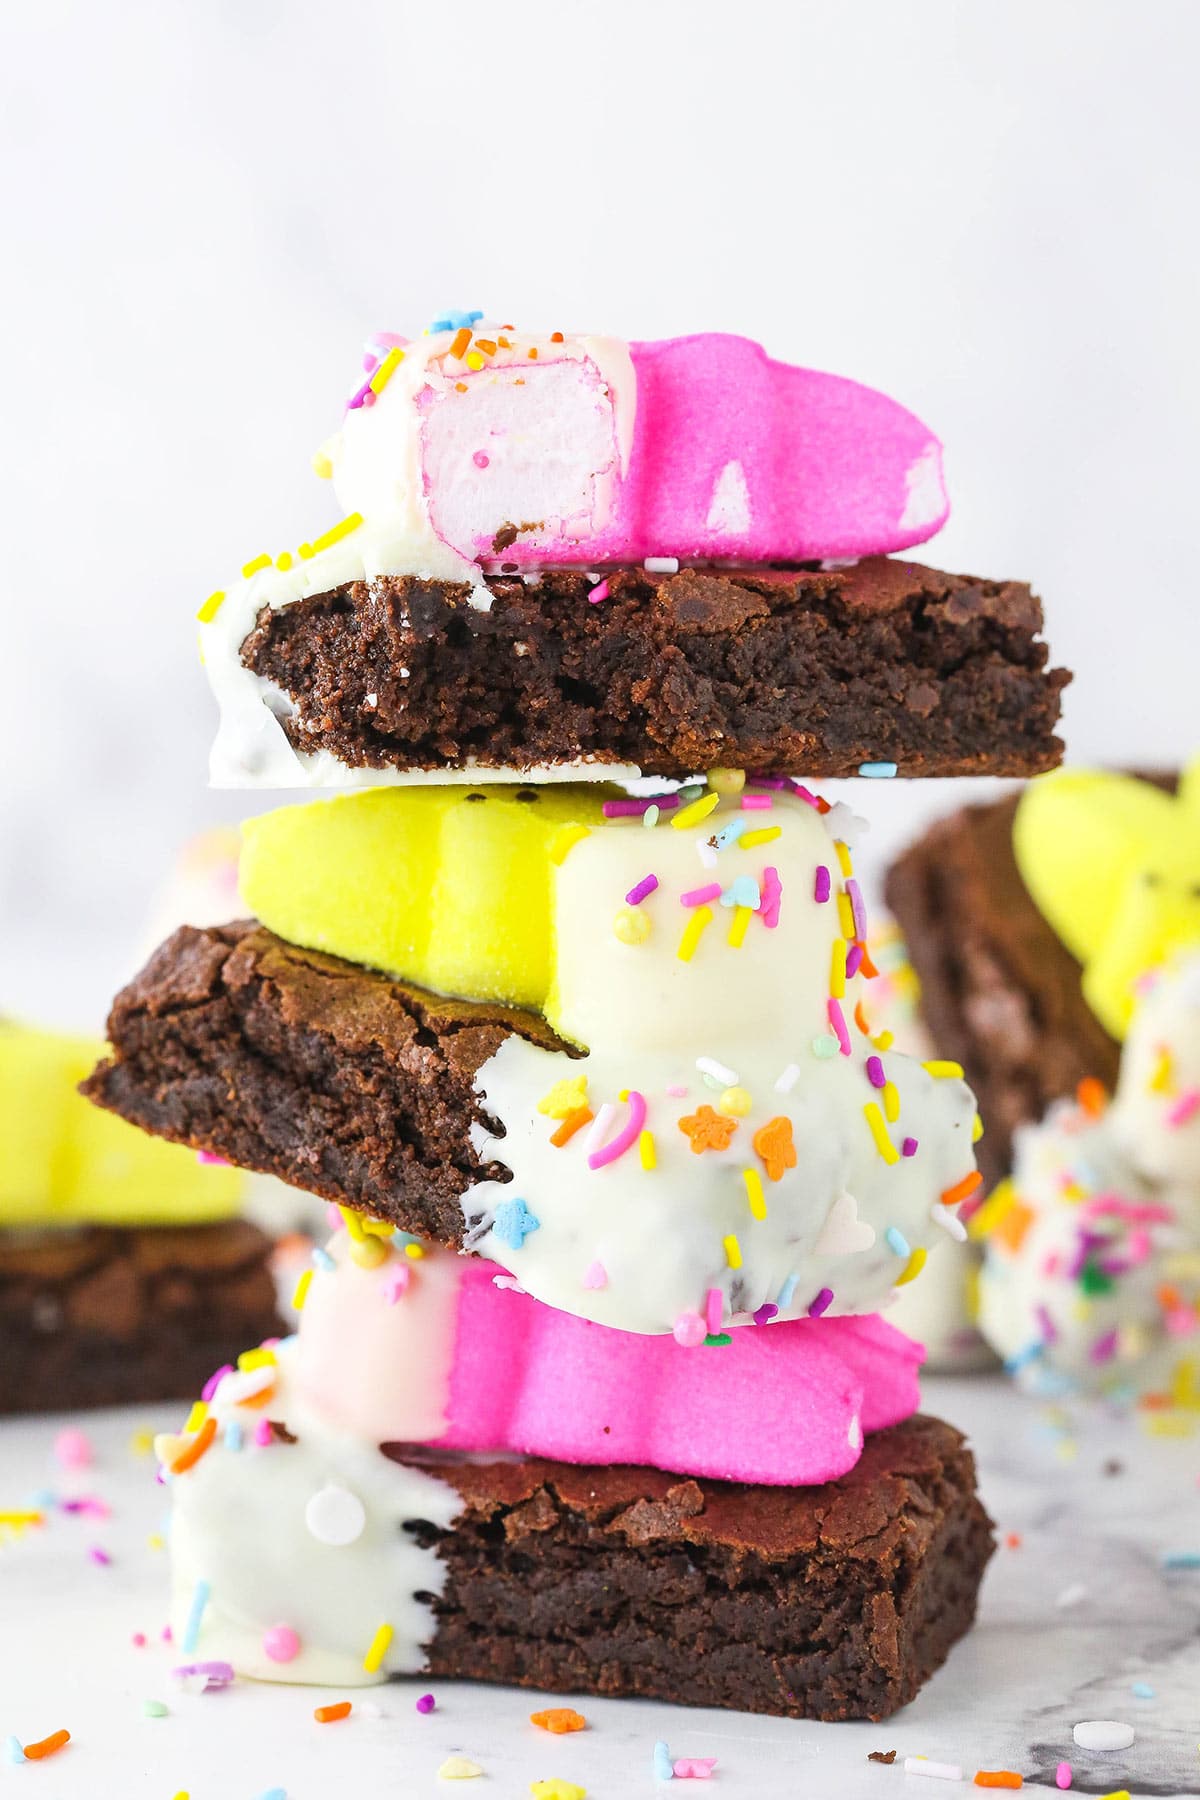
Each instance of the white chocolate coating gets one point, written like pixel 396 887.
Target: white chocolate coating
pixel 241 1522
pixel 1092 1273
pixel 637 1247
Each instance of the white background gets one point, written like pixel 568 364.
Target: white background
pixel 986 207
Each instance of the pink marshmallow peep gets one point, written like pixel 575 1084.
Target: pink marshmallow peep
pixel 458 1363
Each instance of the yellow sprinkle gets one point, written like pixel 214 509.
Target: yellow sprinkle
pixel 306 552
pixel 646 1150
pixel 474 360
pixel 381 1228
pixel 564 1098
pixel 845 913
pixel 377 1650
pixel 352 1222
pixel 300 1292
pixel 141 1443
pixel 632 925
pixel 458 1768
pixel 837 969
pixel 414 1251
pixel 733 1251
pixel 1160 1079
pixel 255 564
pixel 156 1541
pixel 555 1788
pixel 884 1040
pixel 283 561
pixel 1167 1425
pixel 386 370
pixel 368 1252
pixel 1184 1391
pixel 336 533
pixel 992 1211
pixel 195 1418
pixel 16 1521
pixel 913 1266
pixel 749 839
pixel 726 781
pixel 976 1129
pixel 322 465
pixel 735 1102
pixel 565 840
pixel 261 1358
pixel 883 1142
pixel 943 1071
pixel 699 809
pixel 183 1795
pixel 742 916
pixel 211 607
pixel 843 856
pixel 891 1102
pixel 754 1193
pixel 701 917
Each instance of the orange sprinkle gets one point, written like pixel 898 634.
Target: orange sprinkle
pixel 504 343
pixel 1155 1402
pixel 267 1394
pixel 487 345
pixel 1092 1096
pixel 193 1451
pixel 1169 1298
pixel 866 967
pixel 1004 1778
pixel 556 337
pixel 574 1121
pixel 47 1746
pixel 325 1715
pixel 461 339
pixel 1012 1540
pixel 559 1719
pixel 533 353
pixel 774 1143
pixel 1013 1223
pixel 460 387
pixel 962 1190
pixel 860 1019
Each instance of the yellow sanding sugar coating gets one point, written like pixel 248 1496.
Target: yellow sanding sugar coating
pixel 65 1162
pixel 447 888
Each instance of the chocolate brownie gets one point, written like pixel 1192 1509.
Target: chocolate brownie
pixel 831 1602
pixel 816 670
pixel 333 1077
pixel 999 992
pixel 102 1316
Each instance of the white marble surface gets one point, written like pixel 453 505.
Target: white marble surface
pixel 1071 1619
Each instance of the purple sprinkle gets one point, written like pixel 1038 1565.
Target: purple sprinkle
pixel 823 887
pixel 426 1703
pixel 1104 1348
pixel 765 1313
pixel 909 1147
pixel 216 1674
pixel 779 782
pixel 1046 1325
pixel 875 1074
pixel 633 809
pixel 100 1556
pixel 698 896
pixel 854 957
pixel 854 895
pixel 356 400
pixel 822 1303
pixel 639 891
pixel 214 1380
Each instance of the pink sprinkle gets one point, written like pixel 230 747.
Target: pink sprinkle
pixel 370 363
pixel 821 1304
pixel 426 1703
pixel 356 400
pixel 210 1161
pixel 875 1074
pixel 73 1448
pixel 281 1644
pixel 395 1281
pixel 699 896
pixel 481 459
pixel 262 1433
pixel 1062 1775
pixel 837 1020
pixel 757 802
pixel 167 1635
pixel 772 894
pixel 370 397
pixel 596 1276
pixel 675 1091
pixel 909 1147
pixel 214 1381
pixel 854 895
pixel 1104 1348
pixel 822 887
pixel 1184 1108
pixel 633 809
pixel 640 889
pixel 100 1556
pixel 1181 1321
pixel 1046 1325
pixel 139 1640
pixel 802 793
pixel 607 1153
pixel 598 593
pixel 333 1218
pixel 695 1768
pixel 714 1307
pixel 970 1206
pixel 690 1330
pixel 1144 1212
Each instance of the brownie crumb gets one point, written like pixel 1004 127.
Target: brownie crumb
pixel 881 1756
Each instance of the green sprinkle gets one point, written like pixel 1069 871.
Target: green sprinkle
pixel 153 1709
pixel 824 1046
pixel 712 1342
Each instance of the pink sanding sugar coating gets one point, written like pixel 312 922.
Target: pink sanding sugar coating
pixel 737 455
pixel 781 1403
